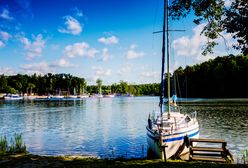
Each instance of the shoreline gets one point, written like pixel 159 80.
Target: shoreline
pixel 30 160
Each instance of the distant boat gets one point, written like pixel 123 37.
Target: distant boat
pixel 98 95
pixel 83 96
pixel 74 96
pixel 168 133
pixel 29 97
pixel 109 95
pixel 13 97
pixel 56 97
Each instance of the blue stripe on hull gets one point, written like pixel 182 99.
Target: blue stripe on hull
pixel 176 138
pixel 180 138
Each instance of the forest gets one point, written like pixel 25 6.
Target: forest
pixel 222 77
pixel 51 84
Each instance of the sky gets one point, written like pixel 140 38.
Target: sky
pixel 111 40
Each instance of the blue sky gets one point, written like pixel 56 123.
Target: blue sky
pixel 109 39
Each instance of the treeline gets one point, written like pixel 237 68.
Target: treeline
pixel 223 77
pixel 41 85
pixel 66 84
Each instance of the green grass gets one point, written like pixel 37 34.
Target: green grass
pixel 28 160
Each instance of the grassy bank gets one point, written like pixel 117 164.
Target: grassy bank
pixel 29 160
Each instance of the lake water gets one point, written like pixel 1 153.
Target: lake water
pixel 112 127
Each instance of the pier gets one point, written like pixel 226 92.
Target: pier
pixel 210 152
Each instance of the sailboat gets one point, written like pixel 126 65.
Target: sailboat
pixel 74 96
pixel 168 133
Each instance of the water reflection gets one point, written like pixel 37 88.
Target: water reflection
pixel 111 127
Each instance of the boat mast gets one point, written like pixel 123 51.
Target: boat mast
pixel 163 61
pixel 168 55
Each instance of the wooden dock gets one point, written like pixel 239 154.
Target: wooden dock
pixel 212 154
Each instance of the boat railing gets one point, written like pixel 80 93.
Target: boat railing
pixel 193 115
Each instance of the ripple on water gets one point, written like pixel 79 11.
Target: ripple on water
pixel 111 127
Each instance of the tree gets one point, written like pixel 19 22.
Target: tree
pixel 236 22
pixel 82 84
pixel 99 84
pixel 3 83
pixel 219 19
pixel 31 86
pixel 123 87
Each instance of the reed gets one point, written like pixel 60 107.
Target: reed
pixel 3 145
pixel 19 145
pixel 16 145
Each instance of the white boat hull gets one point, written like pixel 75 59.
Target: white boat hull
pixel 56 97
pixel 174 142
pixel 109 96
pixel 13 97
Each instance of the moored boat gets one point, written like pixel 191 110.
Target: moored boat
pixel 83 96
pixel 168 133
pixel 56 97
pixel 13 97
pixel 109 95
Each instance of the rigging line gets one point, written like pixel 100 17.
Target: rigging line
pixel 156 15
pixel 163 61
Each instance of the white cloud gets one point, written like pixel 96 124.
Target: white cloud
pixel 80 49
pixel 38 68
pixel 132 54
pixel 150 74
pixel 45 67
pixel 105 54
pixel 109 40
pixel 77 12
pixel 4 35
pixel 2 44
pixel 99 71
pixel 35 48
pixel 133 46
pixel 7 71
pixel 124 70
pixel 5 15
pixel 192 46
pixel 72 26
pixel 55 47
pixel 62 63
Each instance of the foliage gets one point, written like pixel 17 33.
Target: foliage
pixel 223 77
pixel 219 19
pixel 16 146
pixel 236 22
pixel 3 145
pixel 19 145
pixel 54 83
pixel 244 159
pixel 42 85
pixel 99 84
